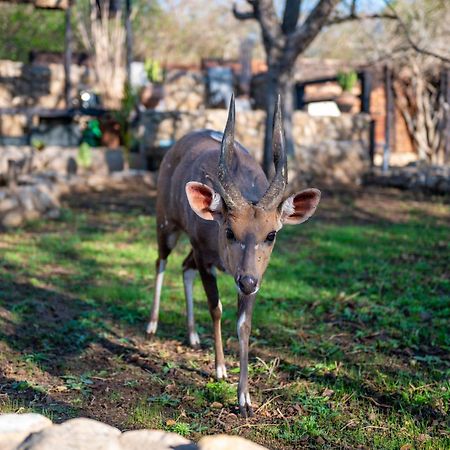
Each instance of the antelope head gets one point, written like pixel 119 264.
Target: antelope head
pixel 248 230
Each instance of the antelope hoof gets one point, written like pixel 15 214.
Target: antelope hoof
pixel 194 340
pixel 221 372
pixel 245 405
pixel 152 327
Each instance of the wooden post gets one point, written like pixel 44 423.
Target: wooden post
pixel 68 54
pixel 372 143
pixel 299 96
pixel 389 120
pixel 366 88
pixel 245 58
pixel 129 39
pixel 446 93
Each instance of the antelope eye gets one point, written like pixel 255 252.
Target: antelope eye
pixel 271 236
pixel 230 235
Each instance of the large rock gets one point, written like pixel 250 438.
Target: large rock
pixel 36 432
pixel 224 442
pixel 14 428
pixel 13 218
pixel 75 434
pixel 154 439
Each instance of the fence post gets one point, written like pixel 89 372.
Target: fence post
pixel 372 144
pixel 366 88
pixel 389 118
pixel 299 96
pixel 68 54
pixel 129 39
pixel 446 87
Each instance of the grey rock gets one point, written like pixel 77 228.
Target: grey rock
pixel 13 218
pixel 8 203
pixel 154 439
pixel 14 428
pixel 224 442
pixel 75 434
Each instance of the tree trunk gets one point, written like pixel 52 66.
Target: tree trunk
pixel 278 84
pixel 273 89
pixel 287 95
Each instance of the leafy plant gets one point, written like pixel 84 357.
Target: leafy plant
pixel 347 80
pixel 81 383
pixel 123 117
pixel 84 157
pixel 164 400
pixel 38 144
pixel 182 428
pixel 154 71
pixel 221 391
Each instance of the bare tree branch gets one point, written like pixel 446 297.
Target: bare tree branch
pixel 353 16
pixel 243 15
pixel 411 42
pixel 264 13
pixel 312 26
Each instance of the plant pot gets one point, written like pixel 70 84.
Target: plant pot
pixel 151 95
pixel 345 102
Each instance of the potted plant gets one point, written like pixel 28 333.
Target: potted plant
pixel 347 81
pixel 153 92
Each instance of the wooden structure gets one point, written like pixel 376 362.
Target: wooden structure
pixel 365 80
pixel 67 5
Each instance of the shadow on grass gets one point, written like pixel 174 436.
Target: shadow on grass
pixel 361 278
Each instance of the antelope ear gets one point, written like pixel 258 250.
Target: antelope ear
pixel 299 207
pixel 203 200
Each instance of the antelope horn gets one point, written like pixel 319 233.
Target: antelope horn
pixel 226 187
pixel 275 191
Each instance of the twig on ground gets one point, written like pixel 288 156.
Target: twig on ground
pixel 268 403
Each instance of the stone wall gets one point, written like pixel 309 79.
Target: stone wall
pixel 416 177
pixel 28 85
pixel 42 177
pixel 328 149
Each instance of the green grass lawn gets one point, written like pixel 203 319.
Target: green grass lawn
pixel 350 345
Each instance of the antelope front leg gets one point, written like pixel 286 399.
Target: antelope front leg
pixel 215 309
pixel 244 326
pixel 154 315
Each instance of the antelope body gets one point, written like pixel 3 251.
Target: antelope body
pixel 212 189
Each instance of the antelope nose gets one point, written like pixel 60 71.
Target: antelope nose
pixel 247 284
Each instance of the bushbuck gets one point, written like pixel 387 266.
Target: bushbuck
pixel 211 188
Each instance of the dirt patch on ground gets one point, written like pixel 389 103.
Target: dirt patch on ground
pixel 65 361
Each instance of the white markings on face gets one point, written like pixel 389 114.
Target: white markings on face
pixel 288 207
pixel 242 246
pixel 215 202
pixel 256 246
